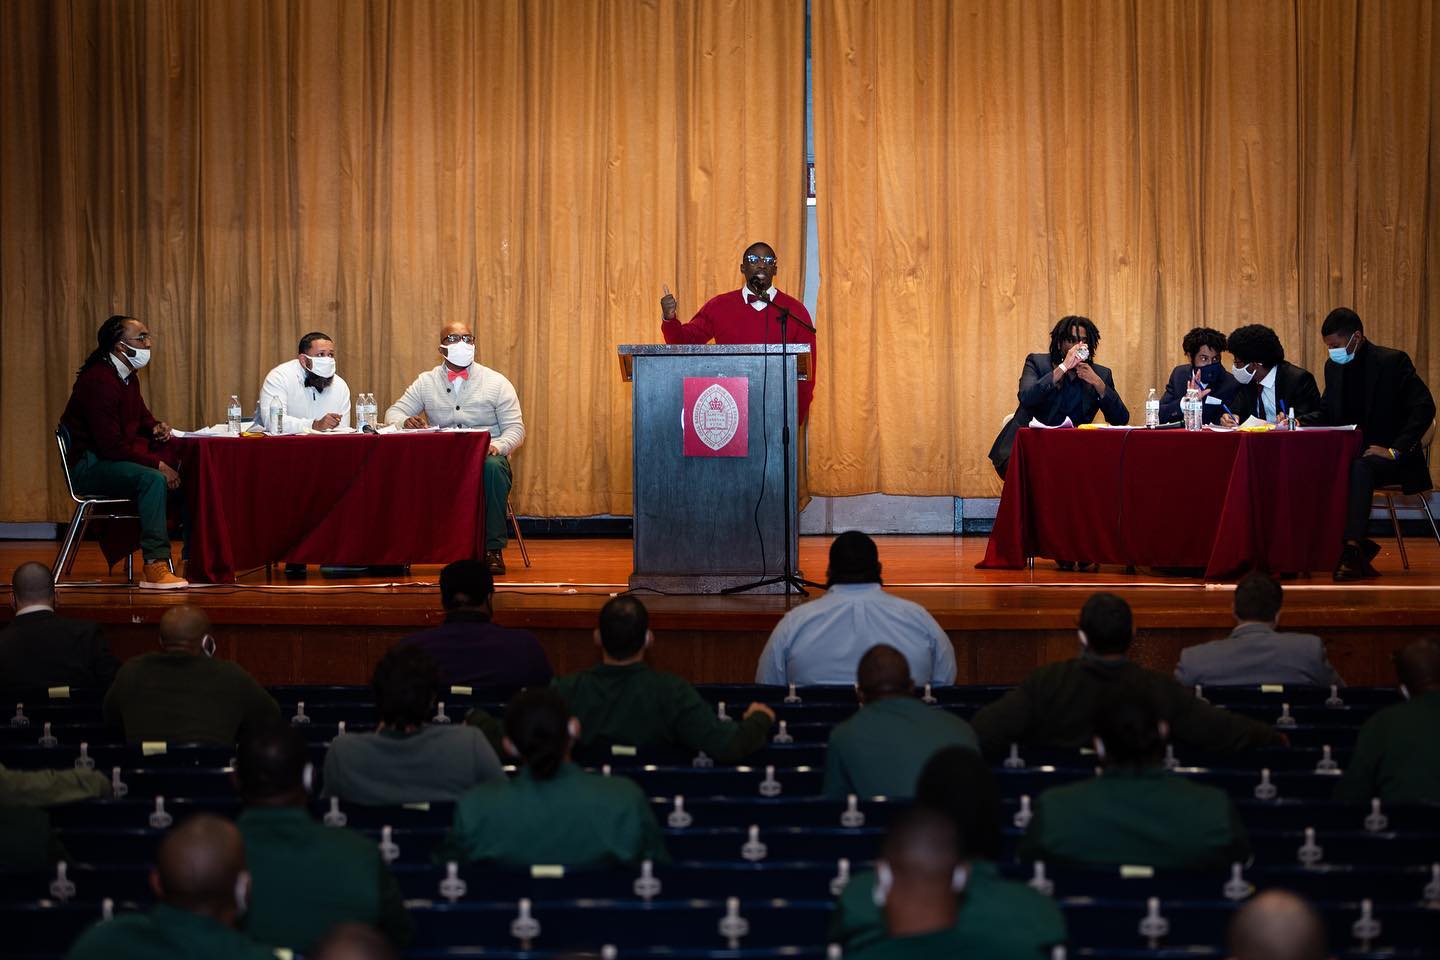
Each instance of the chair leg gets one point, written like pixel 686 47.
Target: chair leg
pixel 70 546
pixel 1399 537
pixel 519 537
pixel 130 568
pixel 1425 505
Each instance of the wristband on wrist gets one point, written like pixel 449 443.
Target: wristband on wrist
pixel 1394 454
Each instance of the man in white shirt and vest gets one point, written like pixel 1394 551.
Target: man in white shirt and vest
pixel 462 393
pixel 314 396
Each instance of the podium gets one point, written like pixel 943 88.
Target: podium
pixel 707 448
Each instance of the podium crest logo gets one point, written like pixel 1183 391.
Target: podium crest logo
pixel 715 416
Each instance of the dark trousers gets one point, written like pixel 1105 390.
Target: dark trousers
pixel 145 485
pixel 497 500
pixel 1366 474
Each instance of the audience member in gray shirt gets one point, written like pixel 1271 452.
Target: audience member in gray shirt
pixel 407 760
pixel 1255 652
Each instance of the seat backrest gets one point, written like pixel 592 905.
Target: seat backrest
pixel 62 441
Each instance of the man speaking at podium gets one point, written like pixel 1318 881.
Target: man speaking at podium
pixel 747 316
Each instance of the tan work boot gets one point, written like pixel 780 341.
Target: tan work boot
pixel 157 576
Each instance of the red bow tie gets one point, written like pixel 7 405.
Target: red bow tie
pixel 751 297
pixel 457 374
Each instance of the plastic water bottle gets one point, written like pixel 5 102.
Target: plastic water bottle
pixel 277 416
pixel 232 415
pixel 1191 408
pixel 1152 410
pixel 362 413
pixel 370 411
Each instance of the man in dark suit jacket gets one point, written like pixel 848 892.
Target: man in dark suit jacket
pixel 1052 388
pixel 1269 384
pixel 39 649
pixel 1203 346
pixel 1377 389
pixel 471 649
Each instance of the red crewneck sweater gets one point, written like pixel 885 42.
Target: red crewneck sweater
pixel 728 319
pixel 108 415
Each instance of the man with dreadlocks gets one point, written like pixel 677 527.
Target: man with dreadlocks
pixel 117 448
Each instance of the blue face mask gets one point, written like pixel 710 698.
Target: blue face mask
pixel 1341 355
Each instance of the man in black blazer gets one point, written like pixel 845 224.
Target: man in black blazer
pixel 1269 384
pixel 1063 383
pixel 1203 346
pixel 39 649
pixel 1377 389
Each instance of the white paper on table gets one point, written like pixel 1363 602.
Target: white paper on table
pixel 337 431
pixel 1348 426
pixel 1255 423
pixel 1217 428
pixel 1065 424
pixel 218 430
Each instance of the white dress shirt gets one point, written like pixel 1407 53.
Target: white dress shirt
pixel 1267 394
pixel 303 405
pixel 483 400
pixel 821 642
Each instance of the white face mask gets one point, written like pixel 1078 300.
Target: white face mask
pixel 1243 374
pixel 461 354
pixel 137 356
pixel 323 367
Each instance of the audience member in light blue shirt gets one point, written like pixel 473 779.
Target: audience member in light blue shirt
pixel 821 642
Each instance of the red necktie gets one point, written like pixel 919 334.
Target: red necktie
pixel 457 374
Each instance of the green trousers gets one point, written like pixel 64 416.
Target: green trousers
pixel 133 481
pixel 497 501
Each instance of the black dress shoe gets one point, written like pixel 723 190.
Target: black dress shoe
pixel 294 571
pixel 495 560
pixel 1352 566
pixel 1067 565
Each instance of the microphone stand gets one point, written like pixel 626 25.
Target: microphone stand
pixel 793 583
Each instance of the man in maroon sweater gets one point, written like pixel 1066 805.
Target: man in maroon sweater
pixel 745 316
pixel 116 447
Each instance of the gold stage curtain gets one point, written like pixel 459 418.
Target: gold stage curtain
pixel 986 167
pixel 239 172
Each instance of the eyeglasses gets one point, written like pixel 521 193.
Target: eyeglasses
pixel 143 338
pixel 754 259
pixel 457 337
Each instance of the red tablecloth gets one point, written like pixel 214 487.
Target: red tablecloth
pixel 1227 502
pixel 350 499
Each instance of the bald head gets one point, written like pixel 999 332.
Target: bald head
pixel 199 864
pixel 918 864
pixel 1277 925
pixel 884 672
pixel 455 326
pixel 1417 665
pixel 182 629
pixel 354 941
pixel 31 583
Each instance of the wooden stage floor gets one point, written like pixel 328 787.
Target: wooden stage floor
pixel 1003 622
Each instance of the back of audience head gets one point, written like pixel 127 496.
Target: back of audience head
pixel 957 782
pixel 1417 667
pixel 920 872
pixel 31 583
pixel 1277 925
pixel 186 629
pixel 540 731
pixel 1258 597
pixel 624 630
pixel 883 673
pixel 854 558
pixel 1129 731
pixel 200 868
pixel 466 584
pixel 1106 625
pixel 406 684
pixel 272 767
pixel 354 941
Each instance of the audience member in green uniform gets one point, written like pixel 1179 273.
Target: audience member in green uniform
pixel 183 694
pixel 1136 811
pixel 552 812
pixel 408 759
pixel 995 917
pixel 882 749
pixel 1277 925
pixel 307 877
pixel 1055 705
pixel 924 886
pixel 1397 756
pixel 202 884
pixel 623 701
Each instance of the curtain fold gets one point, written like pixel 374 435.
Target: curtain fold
pixel 240 172
pixel 984 168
